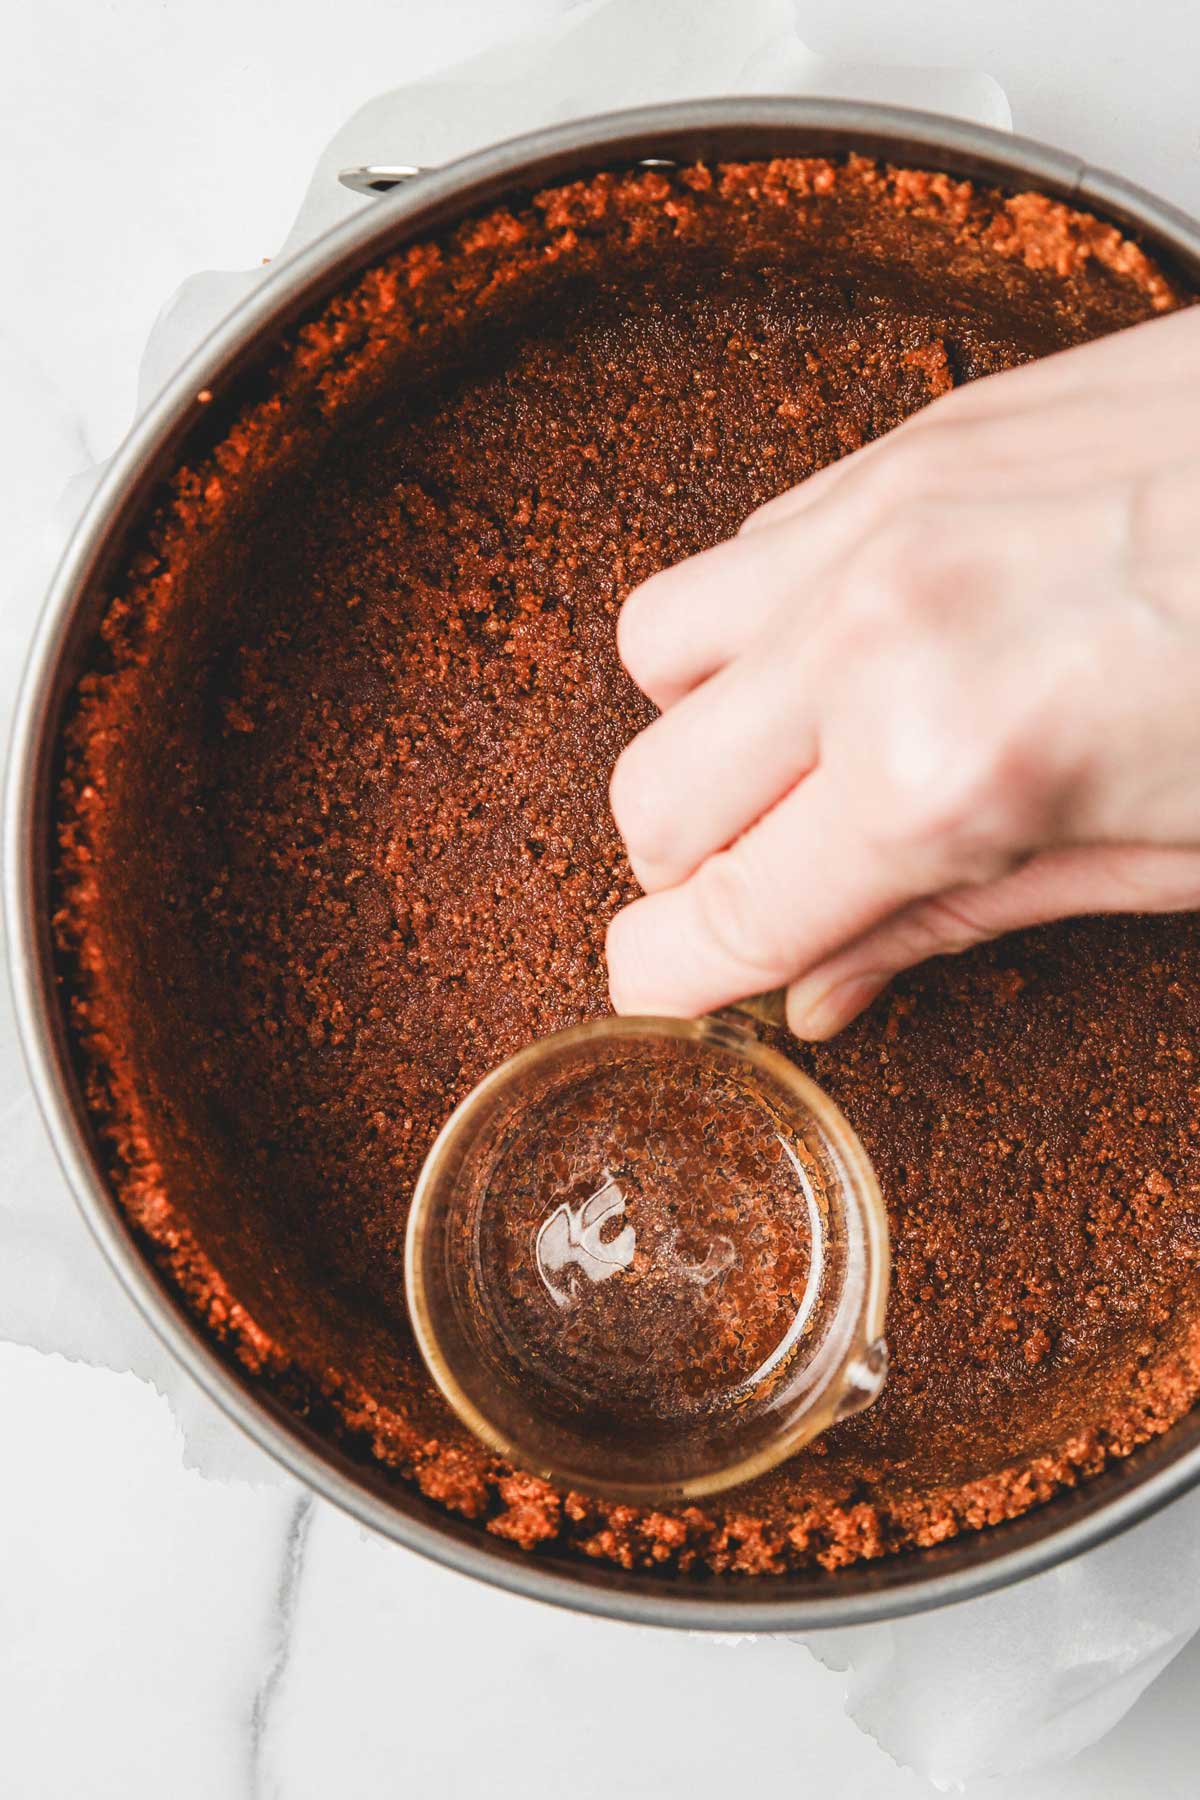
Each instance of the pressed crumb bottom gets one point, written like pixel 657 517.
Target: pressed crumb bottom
pixel 334 836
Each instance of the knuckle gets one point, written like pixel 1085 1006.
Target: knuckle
pixel 913 542
pixel 768 513
pixel 921 460
pixel 944 807
pixel 898 575
pixel 960 800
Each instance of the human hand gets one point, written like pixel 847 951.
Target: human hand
pixel 947 687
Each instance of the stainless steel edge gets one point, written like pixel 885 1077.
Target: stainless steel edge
pixel 705 127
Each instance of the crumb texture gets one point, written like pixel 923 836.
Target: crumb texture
pixel 333 836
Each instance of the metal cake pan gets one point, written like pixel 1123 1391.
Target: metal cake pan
pixel 720 128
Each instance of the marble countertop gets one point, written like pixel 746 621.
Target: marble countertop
pixel 165 1633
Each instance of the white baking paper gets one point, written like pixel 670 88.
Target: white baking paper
pixel 994 1686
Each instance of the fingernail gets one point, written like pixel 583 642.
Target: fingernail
pixel 818 1008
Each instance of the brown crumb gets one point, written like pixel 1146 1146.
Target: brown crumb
pixel 334 838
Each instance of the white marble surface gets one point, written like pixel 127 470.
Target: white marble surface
pixel 164 1633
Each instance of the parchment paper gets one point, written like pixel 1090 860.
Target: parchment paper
pixel 994 1686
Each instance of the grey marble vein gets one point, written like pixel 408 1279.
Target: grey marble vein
pixel 280 1647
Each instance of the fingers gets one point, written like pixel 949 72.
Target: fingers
pixel 953 755
pixel 962 663
pixel 1054 885
pixel 684 624
pixel 785 896
pixel 699 775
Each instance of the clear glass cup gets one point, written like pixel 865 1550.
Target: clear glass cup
pixel 648 1258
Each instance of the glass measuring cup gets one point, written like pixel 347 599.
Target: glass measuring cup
pixel 648 1258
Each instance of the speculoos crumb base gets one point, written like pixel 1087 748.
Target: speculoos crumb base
pixel 334 837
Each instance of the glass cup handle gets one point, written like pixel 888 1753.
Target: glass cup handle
pixel 765 1009
pixel 865 1377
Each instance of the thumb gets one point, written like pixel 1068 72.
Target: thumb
pixel 1056 884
